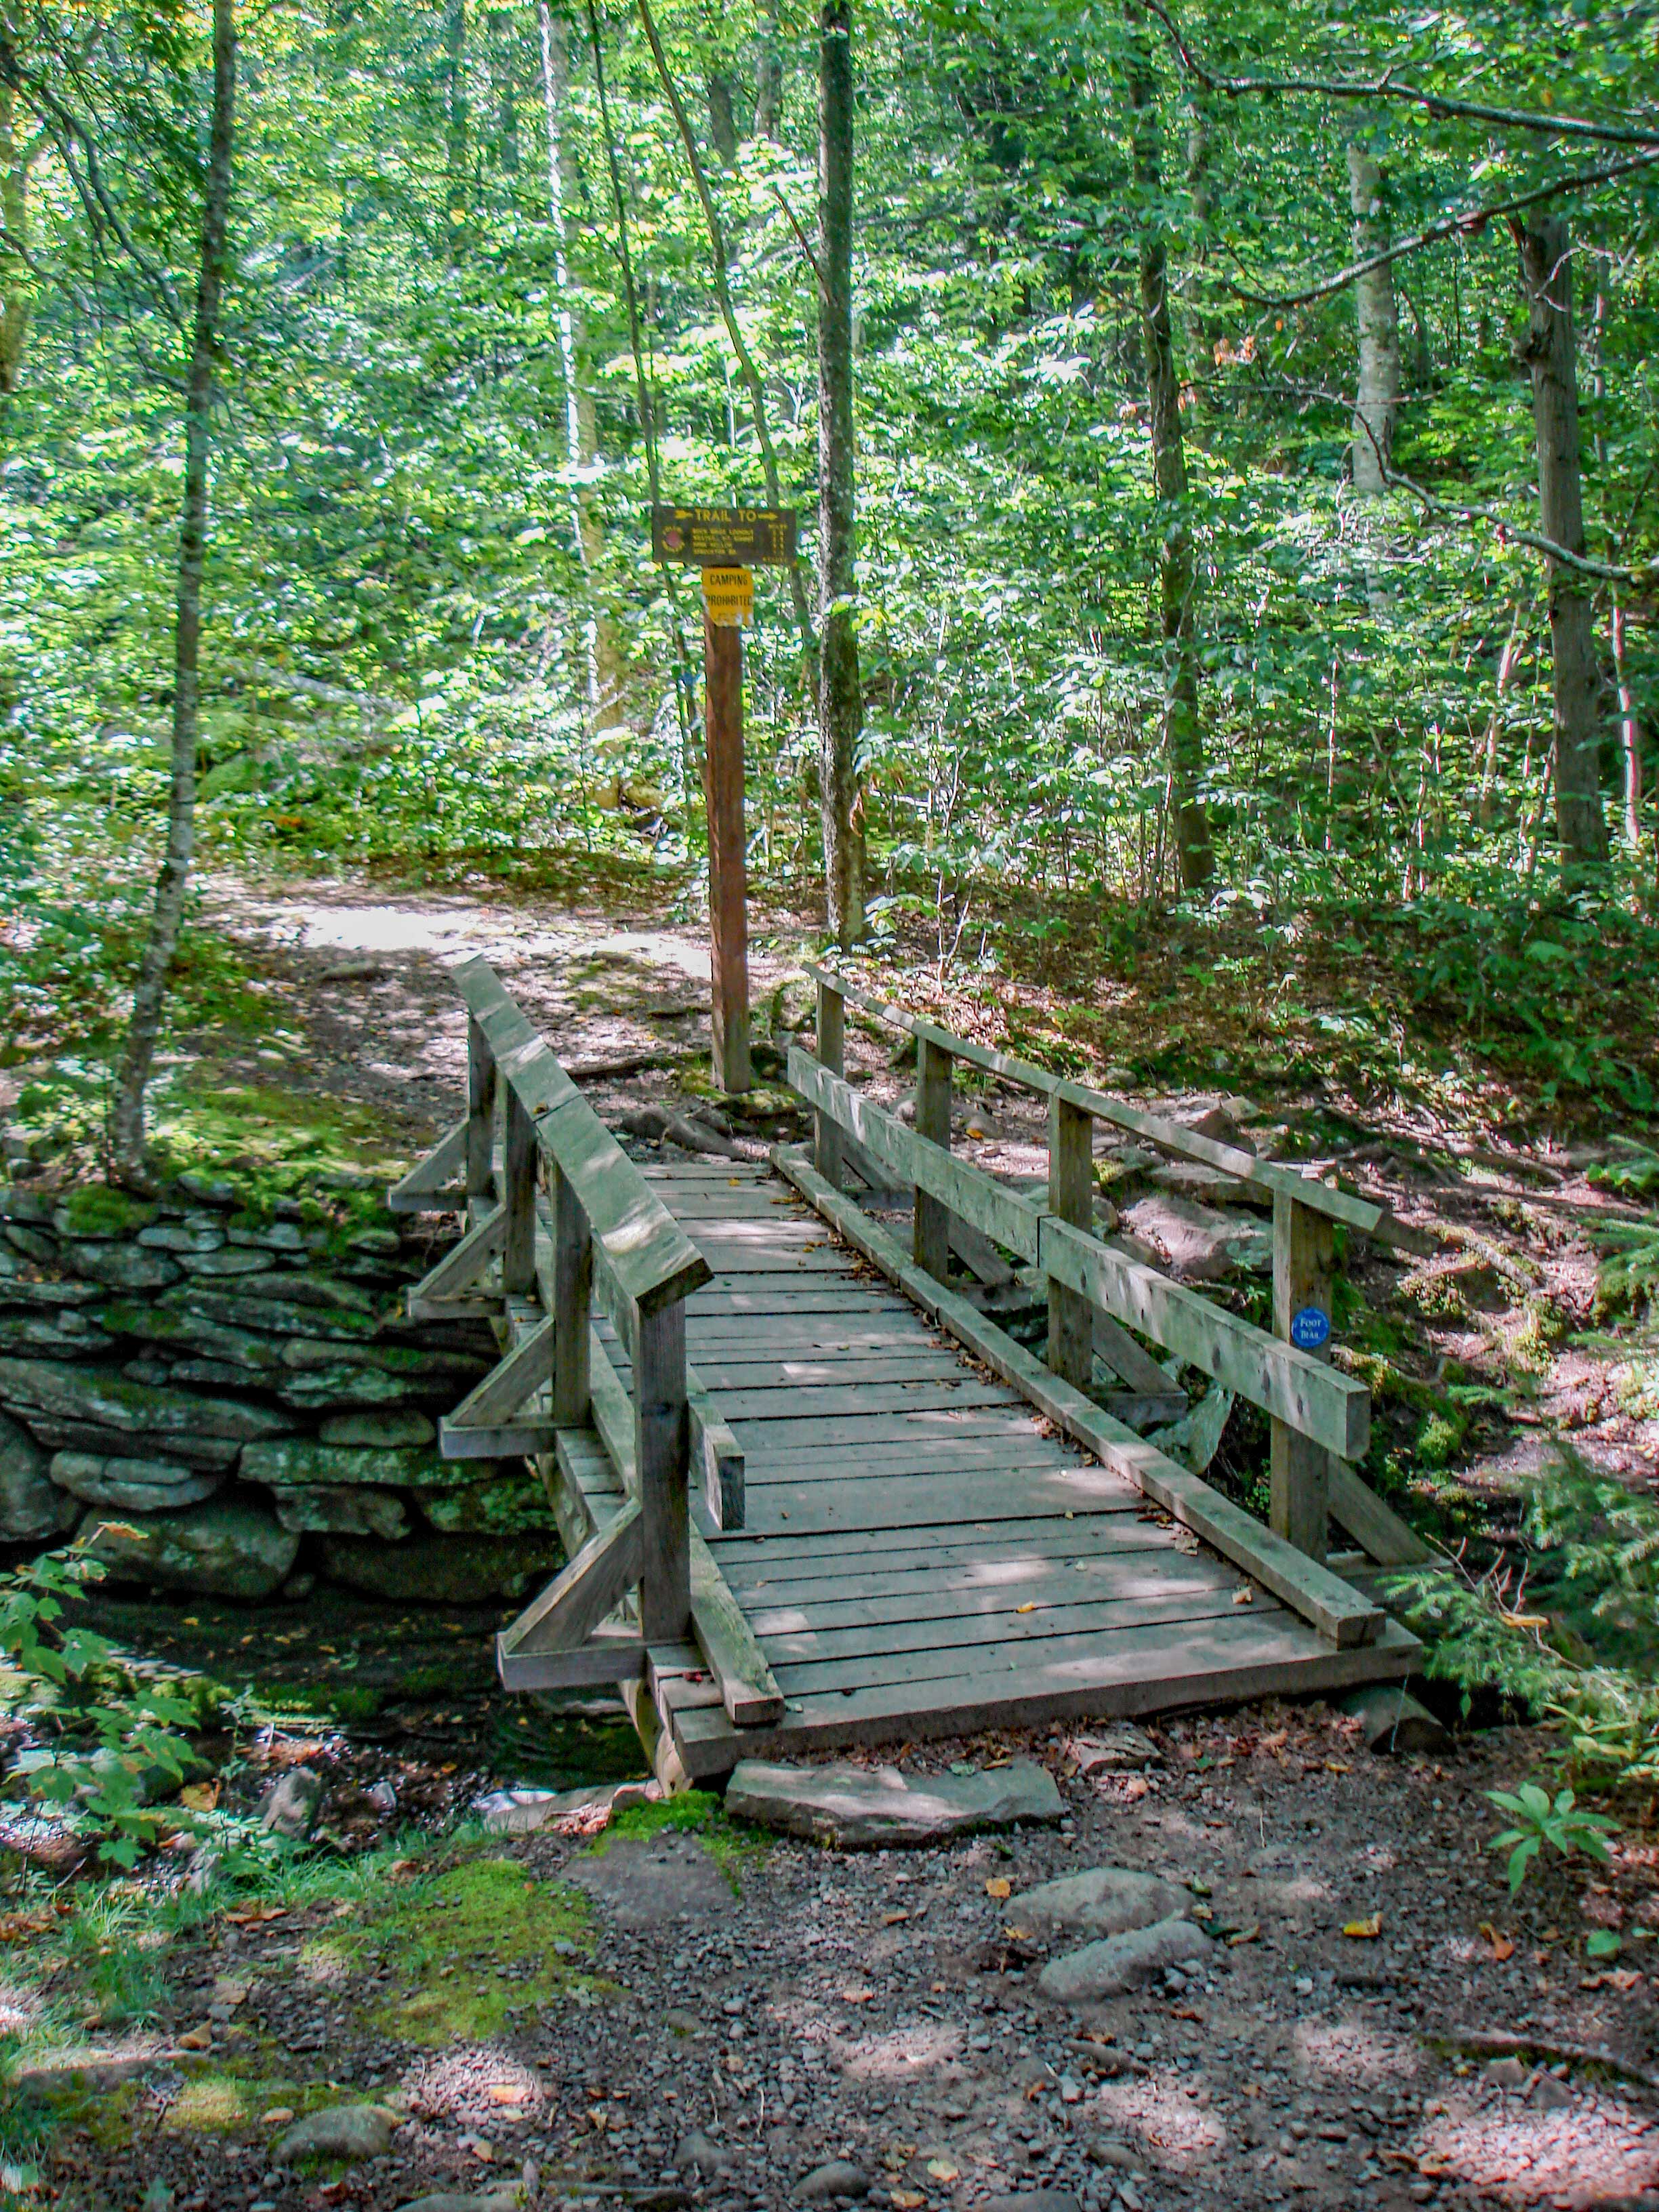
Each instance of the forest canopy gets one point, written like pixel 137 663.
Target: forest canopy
pixel 1256 463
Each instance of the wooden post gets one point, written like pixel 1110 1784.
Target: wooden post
pixel 518 1163
pixel 1072 1196
pixel 722 647
pixel 573 1298
pixel 932 1219
pixel 661 1450
pixel 480 1112
pixel 1301 1484
pixel 832 1054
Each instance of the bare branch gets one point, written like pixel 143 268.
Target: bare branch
pixel 1388 87
pixel 1469 224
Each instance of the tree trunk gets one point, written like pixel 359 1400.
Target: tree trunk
pixel 1630 731
pixel 127 1126
pixel 1183 741
pixel 768 74
pixel 582 441
pixel 722 117
pixel 456 130
pixel 1201 332
pixel 1547 276
pixel 1376 401
pixel 15 289
pixel 841 704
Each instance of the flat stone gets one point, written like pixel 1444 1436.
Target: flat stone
pixel 1118 1964
pixel 34 1244
pixel 122 1267
pixel 1194 1441
pixel 1197 1243
pixel 453 2200
pixel 68 1335
pixel 521 1812
pixel 227 1547
pixel 291 1461
pixel 1120 1748
pixel 1099 1901
pixel 431 1569
pixel 276 1315
pixel 343 1512
pixel 839 2177
pixel 344 1389
pixel 1547 2094
pixel 204 1430
pixel 387 1431
pixel 32 1506
pixel 851 1805
pixel 30 1291
pixel 180 1329
pixel 510 1504
pixel 296 1288
pixel 179 1236
pixel 137 1485
pixel 700 2154
pixel 342 2131
pixel 226 1261
pixel 280 1236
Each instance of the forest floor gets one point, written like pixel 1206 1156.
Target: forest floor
pixel 720 2014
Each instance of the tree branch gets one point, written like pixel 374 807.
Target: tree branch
pixel 1388 87
pixel 1466 225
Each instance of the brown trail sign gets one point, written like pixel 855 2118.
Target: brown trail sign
pixel 724 542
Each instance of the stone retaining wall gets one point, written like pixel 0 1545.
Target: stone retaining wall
pixel 222 1400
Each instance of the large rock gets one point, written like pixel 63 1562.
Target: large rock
pixel 290 1807
pixel 1198 1243
pixel 32 1507
pixel 135 1486
pixel 342 2132
pixel 291 1461
pixel 230 1547
pixel 436 1569
pixel 279 1316
pixel 510 1506
pixel 226 1264
pixel 205 1431
pixel 1100 1901
pixel 851 1805
pixel 1118 1964
pixel 412 1363
pixel 318 1293
pixel 343 1512
pixel 344 1389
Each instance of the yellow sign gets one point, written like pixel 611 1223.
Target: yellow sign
pixel 728 594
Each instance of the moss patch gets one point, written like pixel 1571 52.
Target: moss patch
pixel 444 1941
pixel 95 1210
pixel 736 1849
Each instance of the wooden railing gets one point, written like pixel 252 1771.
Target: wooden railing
pixel 1320 1418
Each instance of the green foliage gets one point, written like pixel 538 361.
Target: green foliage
pixel 1539 1819
pixel 111 1745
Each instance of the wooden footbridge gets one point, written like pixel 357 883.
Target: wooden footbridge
pixel 811 1492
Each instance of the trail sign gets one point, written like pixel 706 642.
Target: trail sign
pixel 729 596
pixel 723 537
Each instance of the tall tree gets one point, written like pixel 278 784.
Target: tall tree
pixel 1376 399
pixel 840 701
pixel 1177 572
pixel 19 145
pixel 172 884
pixel 1549 350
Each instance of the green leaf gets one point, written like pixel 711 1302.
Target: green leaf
pixel 1602 1943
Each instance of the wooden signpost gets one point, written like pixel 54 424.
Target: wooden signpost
pixel 727 543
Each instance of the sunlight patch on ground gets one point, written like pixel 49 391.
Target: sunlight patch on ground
pixel 900 2055
pixel 1349 2053
pixel 1163 2118
pixel 1574 2158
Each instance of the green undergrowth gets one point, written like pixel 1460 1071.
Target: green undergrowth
pixel 737 1849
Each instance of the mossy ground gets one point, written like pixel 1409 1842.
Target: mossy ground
pixel 737 1850
pixel 462 1949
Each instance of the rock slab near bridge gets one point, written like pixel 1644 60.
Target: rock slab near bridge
pixel 863 1806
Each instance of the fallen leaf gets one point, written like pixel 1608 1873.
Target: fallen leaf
pixel 1338 1766
pixel 199 1796
pixel 196 2038
pixel 1021 1935
pixel 507 2092
pixel 941 2170
pixel 1244 1597
pixel 483 2150
pixel 998 1886
pixel 1501 1946
pixel 857 1996
pixel 14 1926
pixel 893 1919
pixel 1276 1742
pixel 906 2200
pixel 252 1916
pixel 1030 1605
pixel 277 2116
pixel 1184 2012
pixel 1250 1935
pixel 1365 1932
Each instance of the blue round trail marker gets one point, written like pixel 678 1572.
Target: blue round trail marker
pixel 1310 1326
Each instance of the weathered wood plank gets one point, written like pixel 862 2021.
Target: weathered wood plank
pixel 1299 1465
pixel 831 1041
pixel 1071 1198
pixel 572 1302
pixel 661 1457
pixel 607 1660
pixel 931 1238
pixel 1315 1400
pixel 1234 1660
pixel 1000 1546
pixel 429 1186
pixel 586 1591
pixel 955 1611
pixel 452 1285
pixel 1376 1527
